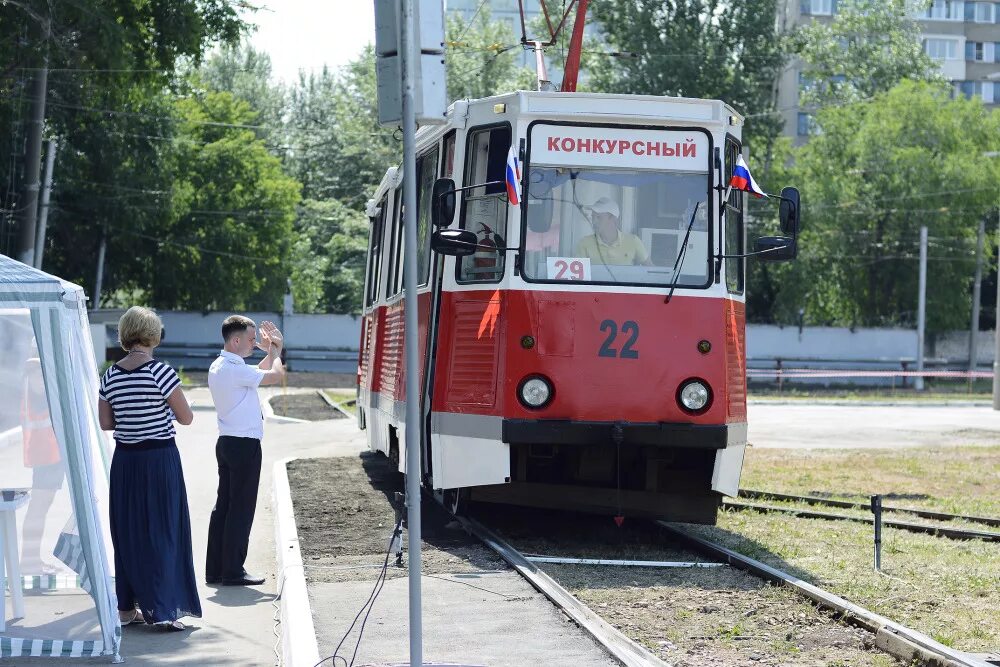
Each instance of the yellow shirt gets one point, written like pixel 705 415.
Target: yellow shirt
pixel 625 251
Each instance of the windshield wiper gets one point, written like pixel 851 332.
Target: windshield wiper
pixel 681 253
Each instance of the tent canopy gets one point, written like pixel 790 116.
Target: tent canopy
pixel 54 463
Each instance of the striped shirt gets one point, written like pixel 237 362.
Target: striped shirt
pixel 139 400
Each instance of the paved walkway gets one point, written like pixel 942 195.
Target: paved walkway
pixel 237 627
pixel 860 426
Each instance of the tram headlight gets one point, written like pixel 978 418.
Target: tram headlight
pixel 535 392
pixel 694 395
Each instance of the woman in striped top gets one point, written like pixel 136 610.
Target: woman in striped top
pixel 140 398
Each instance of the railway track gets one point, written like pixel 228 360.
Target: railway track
pixel 939 530
pixel 904 643
pixel 829 502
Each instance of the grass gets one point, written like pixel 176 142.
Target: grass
pixel 934 390
pixel 345 398
pixel 947 589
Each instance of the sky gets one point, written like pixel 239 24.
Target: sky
pixel 306 34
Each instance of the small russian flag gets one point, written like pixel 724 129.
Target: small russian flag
pixel 742 180
pixel 513 178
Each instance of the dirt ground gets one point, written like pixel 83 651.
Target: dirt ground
pixel 304 405
pixel 345 509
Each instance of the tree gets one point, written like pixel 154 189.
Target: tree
pixel 879 171
pixel 481 58
pixel 695 48
pixel 246 73
pixel 868 47
pixel 328 257
pixel 229 245
pixel 112 67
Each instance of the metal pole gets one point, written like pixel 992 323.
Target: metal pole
pixel 413 357
pixel 99 279
pixel 976 296
pixel 996 350
pixel 43 213
pixel 921 309
pixel 877 511
pixel 32 160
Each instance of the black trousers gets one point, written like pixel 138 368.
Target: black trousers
pixel 232 517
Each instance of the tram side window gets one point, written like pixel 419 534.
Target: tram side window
pixel 448 163
pixel 484 209
pixel 375 253
pixel 395 278
pixel 735 236
pixel 426 171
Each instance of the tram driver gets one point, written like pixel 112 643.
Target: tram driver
pixel 610 244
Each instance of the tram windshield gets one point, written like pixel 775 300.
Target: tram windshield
pixel 616 224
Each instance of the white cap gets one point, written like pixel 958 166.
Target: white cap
pixel 606 205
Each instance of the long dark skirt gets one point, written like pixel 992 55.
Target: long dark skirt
pixel 151 532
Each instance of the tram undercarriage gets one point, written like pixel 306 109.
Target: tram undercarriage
pixel 623 480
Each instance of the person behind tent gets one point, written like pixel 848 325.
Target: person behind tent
pixel 609 244
pixel 140 398
pixel 41 454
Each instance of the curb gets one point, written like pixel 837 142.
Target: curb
pixel 268 411
pixel 299 647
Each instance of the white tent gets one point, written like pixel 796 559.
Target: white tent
pixel 56 578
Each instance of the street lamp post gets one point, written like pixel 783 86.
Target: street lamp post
pixel 996 350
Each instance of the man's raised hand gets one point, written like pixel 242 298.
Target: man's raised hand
pixel 272 334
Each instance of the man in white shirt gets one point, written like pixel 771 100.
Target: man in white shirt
pixel 241 427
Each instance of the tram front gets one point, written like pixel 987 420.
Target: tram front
pixel 625 361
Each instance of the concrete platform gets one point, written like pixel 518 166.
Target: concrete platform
pixel 503 622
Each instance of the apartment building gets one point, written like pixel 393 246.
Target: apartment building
pixel 963 36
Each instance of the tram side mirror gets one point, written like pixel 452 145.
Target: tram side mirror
pixel 775 248
pixel 790 211
pixel 443 202
pixel 454 242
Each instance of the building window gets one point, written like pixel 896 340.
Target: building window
pixel 945 10
pixel 805 124
pixel 965 88
pixel 984 12
pixel 941 49
pixel 819 7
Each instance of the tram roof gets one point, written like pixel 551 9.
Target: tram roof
pixel 585 107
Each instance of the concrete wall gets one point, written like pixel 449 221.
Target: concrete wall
pixel 769 342
pixel 336 337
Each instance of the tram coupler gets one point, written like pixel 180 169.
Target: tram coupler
pixel 396 541
pixel 877 511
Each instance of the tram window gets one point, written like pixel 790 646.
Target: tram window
pixel 617 225
pixel 448 163
pixel 395 278
pixel 735 236
pixel 484 209
pixel 375 252
pixel 426 170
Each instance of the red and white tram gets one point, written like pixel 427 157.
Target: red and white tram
pixel 582 348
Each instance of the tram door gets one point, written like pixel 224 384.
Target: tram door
pixel 469 335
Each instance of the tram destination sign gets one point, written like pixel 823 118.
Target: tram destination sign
pixel 619 147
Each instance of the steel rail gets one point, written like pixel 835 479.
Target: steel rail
pixel 900 641
pixel 622 648
pixel 847 504
pixel 950 533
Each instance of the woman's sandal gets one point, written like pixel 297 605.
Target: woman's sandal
pixel 172 626
pixel 136 617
